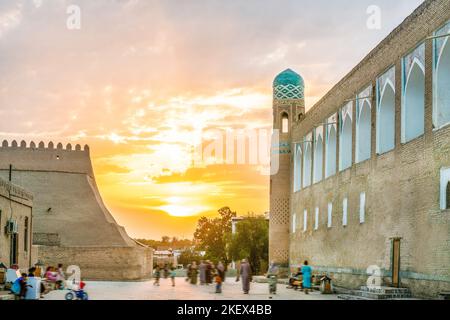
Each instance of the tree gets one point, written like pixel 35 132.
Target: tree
pixel 188 256
pixel 211 235
pixel 250 241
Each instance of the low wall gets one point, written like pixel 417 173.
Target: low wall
pixel 102 263
pixel 421 285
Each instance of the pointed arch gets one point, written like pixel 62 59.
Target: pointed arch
pixel 386 118
pixel 318 159
pixel 298 168
pixel 441 85
pixel 363 131
pixel 307 164
pixel 413 111
pixel 330 152
pixel 345 143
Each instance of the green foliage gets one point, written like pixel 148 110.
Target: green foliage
pixel 211 235
pixel 167 242
pixel 251 241
pixel 188 256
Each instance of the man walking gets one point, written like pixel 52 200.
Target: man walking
pixel 245 273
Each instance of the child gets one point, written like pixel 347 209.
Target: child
pixel 218 280
pixel 173 274
pixel 157 276
pixel 19 287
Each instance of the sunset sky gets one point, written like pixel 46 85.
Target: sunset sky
pixel 142 78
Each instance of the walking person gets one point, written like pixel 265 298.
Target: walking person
pixel 221 270
pixel 218 279
pixel 306 271
pixel 245 273
pixel 202 270
pixel 173 274
pixel 194 273
pixel 157 275
pixel 208 272
pixel 272 275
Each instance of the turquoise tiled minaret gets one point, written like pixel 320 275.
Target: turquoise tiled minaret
pixel 288 103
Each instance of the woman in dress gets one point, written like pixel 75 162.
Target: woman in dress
pixel 306 271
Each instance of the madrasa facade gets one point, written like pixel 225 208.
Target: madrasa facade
pixel 363 184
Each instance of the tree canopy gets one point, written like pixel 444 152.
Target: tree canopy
pixel 251 241
pixel 211 235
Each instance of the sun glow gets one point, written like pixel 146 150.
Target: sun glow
pixel 183 211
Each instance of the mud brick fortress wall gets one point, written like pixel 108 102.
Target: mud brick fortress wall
pixel 71 224
pixel 400 190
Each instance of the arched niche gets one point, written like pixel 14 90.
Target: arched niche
pixel 413 112
pixel 363 132
pixel 307 164
pixel 318 159
pixel 330 152
pixel 386 120
pixel 442 85
pixel 284 123
pixel 298 168
pixel 345 151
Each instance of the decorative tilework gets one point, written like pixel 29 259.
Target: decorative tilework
pixel 286 92
pixel 288 85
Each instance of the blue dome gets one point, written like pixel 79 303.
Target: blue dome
pixel 288 85
pixel 288 77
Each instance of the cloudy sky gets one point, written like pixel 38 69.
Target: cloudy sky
pixel 139 79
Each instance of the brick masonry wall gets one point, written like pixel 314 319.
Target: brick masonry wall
pixel 402 186
pixel 102 263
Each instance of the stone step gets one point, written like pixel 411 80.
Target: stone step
pixel 351 297
pixel 381 296
pixel 386 290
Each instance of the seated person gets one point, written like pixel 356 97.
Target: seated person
pixel 295 278
pixel 50 275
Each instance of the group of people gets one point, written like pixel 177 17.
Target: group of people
pixel 52 275
pixel 166 271
pixel 207 272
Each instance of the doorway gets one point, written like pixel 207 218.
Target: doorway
pixel 396 262
pixel 14 248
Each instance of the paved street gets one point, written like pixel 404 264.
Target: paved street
pixel 145 290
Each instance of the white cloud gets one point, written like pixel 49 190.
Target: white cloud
pixel 10 19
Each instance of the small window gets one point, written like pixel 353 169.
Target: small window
pixel 294 223
pixel 330 215
pixel 25 235
pixel 284 123
pixel 305 220
pixel 362 207
pixel 316 219
pixel 344 212
pixel 448 195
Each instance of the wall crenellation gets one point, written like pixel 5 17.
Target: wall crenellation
pixel 42 157
pixel 41 146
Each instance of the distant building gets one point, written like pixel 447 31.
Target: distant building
pixel 16 226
